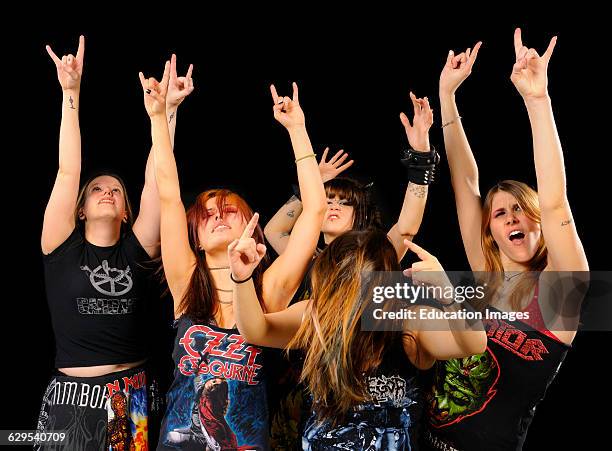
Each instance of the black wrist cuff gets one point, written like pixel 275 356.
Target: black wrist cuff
pixel 421 166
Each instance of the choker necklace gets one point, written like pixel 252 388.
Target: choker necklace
pixel 225 291
pixel 225 302
pixel 218 267
pixel 509 278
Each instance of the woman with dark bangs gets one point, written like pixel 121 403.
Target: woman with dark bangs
pixel 218 397
pixel 349 207
pixel 348 203
pixel 522 239
pixel 98 289
pixel 364 384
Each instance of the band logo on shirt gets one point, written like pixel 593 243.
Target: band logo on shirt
pixel 110 282
pixel 218 354
pixel 515 340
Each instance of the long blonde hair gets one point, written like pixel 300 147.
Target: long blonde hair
pixel 338 353
pixel 527 198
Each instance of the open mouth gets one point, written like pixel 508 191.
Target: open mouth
pixel 221 228
pixel 107 201
pixel 516 236
pixel 333 217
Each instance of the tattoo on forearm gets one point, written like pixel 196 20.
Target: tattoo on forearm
pixel 291 213
pixel 71 100
pixel 292 199
pixel 566 222
pixel 419 191
pixel 284 234
pixel 171 117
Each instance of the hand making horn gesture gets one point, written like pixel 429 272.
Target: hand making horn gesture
pixel 155 92
pixel 69 68
pixel 245 253
pixel 178 87
pixel 529 73
pixel 287 110
pixel 457 69
pixel 418 131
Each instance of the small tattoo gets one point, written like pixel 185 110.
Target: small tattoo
pixel 284 234
pixel 71 100
pixel 291 213
pixel 171 117
pixel 419 191
pixel 566 222
pixel 292 199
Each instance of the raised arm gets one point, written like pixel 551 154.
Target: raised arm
pixel 463 168
pixel 283 277
pixel 273 329
pixel 279 228
pixel 529 75
pixel 59 221
pixel 440 339
pixel 147 225
pixel 177 257
pixel 411 216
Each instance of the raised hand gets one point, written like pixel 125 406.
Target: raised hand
pixel 529 73
pixel 245 253
pixel 332 168
pixel 178 87
pixel 287 110
pixel 418 131
pixel 457 69
pixel 155 92
pixel 428 271
pixel 69 68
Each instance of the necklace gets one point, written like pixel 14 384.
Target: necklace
pixel 225 302
pixel 218 267
pixel 509 278
pixel 225 291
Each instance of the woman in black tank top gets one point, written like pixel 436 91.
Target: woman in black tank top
pixel 521 239
pixel 366 394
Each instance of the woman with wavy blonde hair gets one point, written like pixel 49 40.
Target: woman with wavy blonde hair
pixel 521 239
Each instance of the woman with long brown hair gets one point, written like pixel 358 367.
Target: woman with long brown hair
pixel 97 287
pixel 521 239
pixel 364 384
pixel 217 399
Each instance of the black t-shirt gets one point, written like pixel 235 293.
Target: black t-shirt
pixel 97 299
pixel 487 401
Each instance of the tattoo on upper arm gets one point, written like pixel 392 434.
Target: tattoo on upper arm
pixel 566 222
pixel 419 191
pixel 291 213
pixel 171 117
pixel 292 199
pixel 71 100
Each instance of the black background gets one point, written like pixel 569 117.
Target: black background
pixel 354 80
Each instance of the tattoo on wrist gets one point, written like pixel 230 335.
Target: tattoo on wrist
pixel 566 222
pixel 71 100
pixel 419 191
pixel 284 234
pixel 171 117
pixel 291 199
pixel 291 213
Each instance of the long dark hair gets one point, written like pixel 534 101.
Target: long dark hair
pixel 359 196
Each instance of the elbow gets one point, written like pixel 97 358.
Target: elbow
pixel 408 230
pixel 477 344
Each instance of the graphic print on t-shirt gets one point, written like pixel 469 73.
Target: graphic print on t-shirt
pixel 226 413
pixel 110 281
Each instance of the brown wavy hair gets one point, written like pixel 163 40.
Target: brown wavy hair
pixel 338 353
pixel 201 301
pixel 527 199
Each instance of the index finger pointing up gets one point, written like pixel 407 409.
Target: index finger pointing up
pixel 518 42
pixel 549 50
pixel 274 94
pixel 53 56
pixel 250 228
